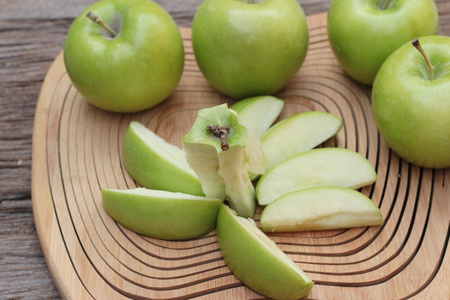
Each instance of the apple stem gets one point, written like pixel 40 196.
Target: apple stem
pixel 222 133
pixel 416 44
pixel 96 19
pixel 386 4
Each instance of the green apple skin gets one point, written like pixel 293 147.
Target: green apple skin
pixel 316 167
pixel 257 261
pixel 137 69
pixel 162 214
pixel 155 164
pixel 249 49
pixel 320 208
pixel 362 35
pixel 412 112
pixel 298 133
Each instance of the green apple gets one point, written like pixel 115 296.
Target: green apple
pixel 161 214
pixel 411 106
pixel 258 112
pixel 215 150
pixel 363 33
pixel 317 167
pixel 320 208
pixel 249 48
pixel 257 261
pixel 135 66
pixel 157 164
pixel 298 133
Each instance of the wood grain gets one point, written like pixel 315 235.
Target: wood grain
pixel 77 151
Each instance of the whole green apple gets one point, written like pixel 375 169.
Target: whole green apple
pixel 134 68
pixel 249 48
pixel 362 33
pixel 412 110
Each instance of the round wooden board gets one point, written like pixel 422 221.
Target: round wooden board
pixel 77 152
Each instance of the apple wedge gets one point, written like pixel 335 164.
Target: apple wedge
pixel 316 167
pixel 256 160
pixel 257 261
pixel 215 151
pixel 298 133
pixel 161 214
pixel 320 208
pixel 155 164
pixel 258 112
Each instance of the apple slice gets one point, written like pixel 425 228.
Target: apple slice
pixel 316 167
pixel 258 112
pixel 161 214
pixel 320 208
pixel 215 151
pixel 256 160
pixel 257 261
pixel 298 133
pixel 156 164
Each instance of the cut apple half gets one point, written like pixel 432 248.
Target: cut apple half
pixel 298 133
pixel 316 167
pixel 257 261
pixel 258 112
pixel 215 150
pixel 320 208
pixel 156 164
pixel 161 214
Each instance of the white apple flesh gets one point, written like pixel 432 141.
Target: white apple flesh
pixel 256 159
pixel 297 134
pixel 320 208
pixel 317 167
pixel 258 112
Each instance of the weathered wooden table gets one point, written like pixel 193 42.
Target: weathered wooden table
pixel 32 34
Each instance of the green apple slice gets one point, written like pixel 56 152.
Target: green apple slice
pixel 162 214
pixel 215 151
pixel 258 112
pixel 316 167
pixel 257 261
pixel 298 133
pixel 256 160
pixel 320 208
pixel 156 164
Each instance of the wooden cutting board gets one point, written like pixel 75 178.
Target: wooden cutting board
pixel 77 152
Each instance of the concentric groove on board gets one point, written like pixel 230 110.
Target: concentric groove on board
pixel 77 151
